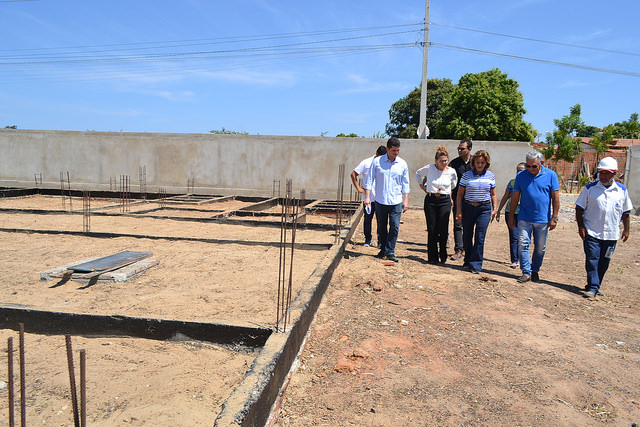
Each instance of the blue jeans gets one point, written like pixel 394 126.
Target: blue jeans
pixel 475 221
pixel 388 215
pixel 513 237
pixel 598 254
pixel 540 230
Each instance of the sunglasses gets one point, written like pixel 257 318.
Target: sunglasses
pixel 462 148
pixel 532 166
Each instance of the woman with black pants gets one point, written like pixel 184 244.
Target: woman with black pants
pixel 437 180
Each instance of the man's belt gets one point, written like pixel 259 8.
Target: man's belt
pixel 436 194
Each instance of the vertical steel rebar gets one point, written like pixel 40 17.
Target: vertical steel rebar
pixel 86 211
pixel 23 379
pixel 64 203
pixel 69 188
pixel 293 241
pixel 83 388
pixel 339 197
pixel 10 383
pixel 72 381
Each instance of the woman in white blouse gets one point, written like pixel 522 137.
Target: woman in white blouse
pixel 437 180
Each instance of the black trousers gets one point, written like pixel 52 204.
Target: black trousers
pixel 437 211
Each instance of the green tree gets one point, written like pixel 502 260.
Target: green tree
pixel 601 142
pixel 627 129
pixel 404 115
pixel 588 131
pixel 562 141
pixel 351 135
pixel 486 105
pixel 224 131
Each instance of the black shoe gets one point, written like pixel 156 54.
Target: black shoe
pixel 391 258
pixel 381 254
pixel 535 277
pixel 524 278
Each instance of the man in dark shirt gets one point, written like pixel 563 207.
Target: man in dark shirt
pixel 461 164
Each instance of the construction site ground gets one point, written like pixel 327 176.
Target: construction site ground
pixel 133 381
pixel 408 344
pixel 426 345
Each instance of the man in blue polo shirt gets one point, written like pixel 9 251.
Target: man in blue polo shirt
pixel 600 208
pixel 537 189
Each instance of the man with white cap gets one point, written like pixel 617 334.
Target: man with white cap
pixel 599 209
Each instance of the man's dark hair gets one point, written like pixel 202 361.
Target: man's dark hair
pixel 393 142
pixel 469 143
pixel 381 150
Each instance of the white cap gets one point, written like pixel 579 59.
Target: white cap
pixel 608 163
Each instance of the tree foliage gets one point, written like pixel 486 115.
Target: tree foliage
pixel 404 115
pixel 561 144
pixel 627 129
pixel 487 106
pixel 351 135
pixel 224 131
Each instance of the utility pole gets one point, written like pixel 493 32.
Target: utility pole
pixel 423 130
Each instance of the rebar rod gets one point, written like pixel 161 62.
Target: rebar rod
pixel 64 203
pixel 10 383
pixel 280 269
pixel 86 211
pixel 69 188
pixel 293 242
pixel 72 381
pixel 83 388
pixel 23 379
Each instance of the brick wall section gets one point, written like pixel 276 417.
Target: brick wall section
pixel 589 157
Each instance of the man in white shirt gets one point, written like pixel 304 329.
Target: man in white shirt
pixel 599 209
pixel 363 169
pixel 389 179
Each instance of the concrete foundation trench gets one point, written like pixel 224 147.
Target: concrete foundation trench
pixel 206 333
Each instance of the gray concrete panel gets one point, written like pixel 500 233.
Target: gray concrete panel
pixel 219 164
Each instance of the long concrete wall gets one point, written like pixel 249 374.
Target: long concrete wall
pixel 218 164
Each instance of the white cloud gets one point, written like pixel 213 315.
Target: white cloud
pixel 361 84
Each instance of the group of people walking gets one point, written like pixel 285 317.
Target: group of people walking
pixel 466 186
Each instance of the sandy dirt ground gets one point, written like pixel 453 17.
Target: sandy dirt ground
pixel 134 381
pixel 425 345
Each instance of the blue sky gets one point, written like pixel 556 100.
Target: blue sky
pixel 301 68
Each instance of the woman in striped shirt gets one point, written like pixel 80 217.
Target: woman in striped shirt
pixel 477 203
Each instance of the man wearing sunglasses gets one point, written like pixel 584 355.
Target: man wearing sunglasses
pixel 538 191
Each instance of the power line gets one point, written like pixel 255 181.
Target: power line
pixel 543 61
pixel 620 52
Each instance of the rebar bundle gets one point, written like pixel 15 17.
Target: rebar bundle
pixel 86 211
pixel 125 194
pixel 339 198
pixel 288 222
pixel 142 175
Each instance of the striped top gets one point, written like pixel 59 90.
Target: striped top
pixel 477 188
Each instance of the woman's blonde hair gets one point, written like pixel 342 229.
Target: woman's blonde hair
pixel 484 155
pixel 441 151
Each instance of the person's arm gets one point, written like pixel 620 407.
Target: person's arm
pixel 555 205
pixel 405 202
pixel 505 197
pixel 515 198
pixel 494 203
pixel 582 230
pixel 625 226
pixel 354 179
pixel 421 177
pixel 459 199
